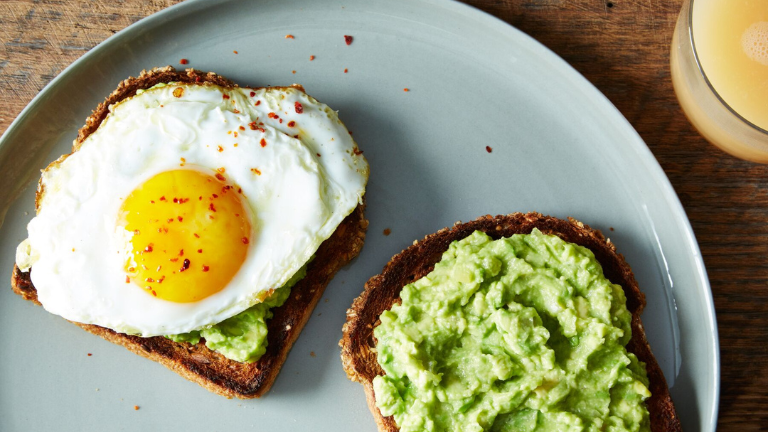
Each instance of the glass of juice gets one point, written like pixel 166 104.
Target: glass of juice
pixel 719 64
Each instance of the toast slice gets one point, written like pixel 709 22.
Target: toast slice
pixel 196 362
pixel 382 291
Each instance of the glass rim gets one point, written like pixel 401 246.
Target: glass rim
pixel 706 79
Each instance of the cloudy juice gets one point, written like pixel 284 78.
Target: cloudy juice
pixel 731 40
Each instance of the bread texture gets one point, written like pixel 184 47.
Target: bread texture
pixel 197 363
pixel 358 353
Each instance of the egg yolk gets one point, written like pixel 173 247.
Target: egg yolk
pixel 189 234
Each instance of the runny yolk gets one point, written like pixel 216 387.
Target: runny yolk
pixel 190 234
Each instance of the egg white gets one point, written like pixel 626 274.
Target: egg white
pixel 306 188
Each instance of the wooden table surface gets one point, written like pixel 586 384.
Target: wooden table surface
pixel 622 47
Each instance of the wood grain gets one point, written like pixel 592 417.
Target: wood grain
pixel 622 46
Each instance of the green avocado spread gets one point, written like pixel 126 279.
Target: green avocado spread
pixel 243 337
pixel 518 334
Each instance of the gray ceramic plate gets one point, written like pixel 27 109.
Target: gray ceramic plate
pixel 559 147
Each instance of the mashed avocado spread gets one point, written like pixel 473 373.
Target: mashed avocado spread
pixel 518 334
pixel 243 337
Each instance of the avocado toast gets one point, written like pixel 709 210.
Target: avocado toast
pixel 359 346
pixel 195 361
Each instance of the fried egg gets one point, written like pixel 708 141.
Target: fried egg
pixel 189 204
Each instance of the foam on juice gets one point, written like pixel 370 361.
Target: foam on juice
pixel 754 42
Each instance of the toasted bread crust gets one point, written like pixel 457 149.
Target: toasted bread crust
pixel 197 363
pixel 383 290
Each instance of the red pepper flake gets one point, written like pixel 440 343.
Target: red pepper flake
pixel 162 198
pixel 256 171
pixel 220 149
pixel 291 124
pixel 196 235
pixel 273 115
pixel 184 265
pixel 127 279
pixel 387 232
pixel 206 268
pixel 131 269
pixel 346 70
pixel 215 196
pixel 136 407
pixel 488 149
pixel 149 248
pixel 263 142
pixel 169 221
pixel 289 36
pixel 245 240
pixel 253 93
pixel 225 96
pixel 173 259
pixel 311 58
pixel 220 177
pixel 183 161
pixel 281 120
pixel 242 128
pixel 299 107
pixel 183 61
pixel 239 190
pixel 159 268
pixel 236 111
pixel 89 354
pixel 406 89
pixel 318 154
pixel 357 151
pixel 199 251
pixel 162 278
pixel 181 252
pixel 296 136
pixel 293 72
pixel 154 293
pixel 348 39
pixel 180 218
pixel 350 132
pixel 234 52
pixel 151 201
pixel 149 279
pixel 211 207
pixel 258 102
